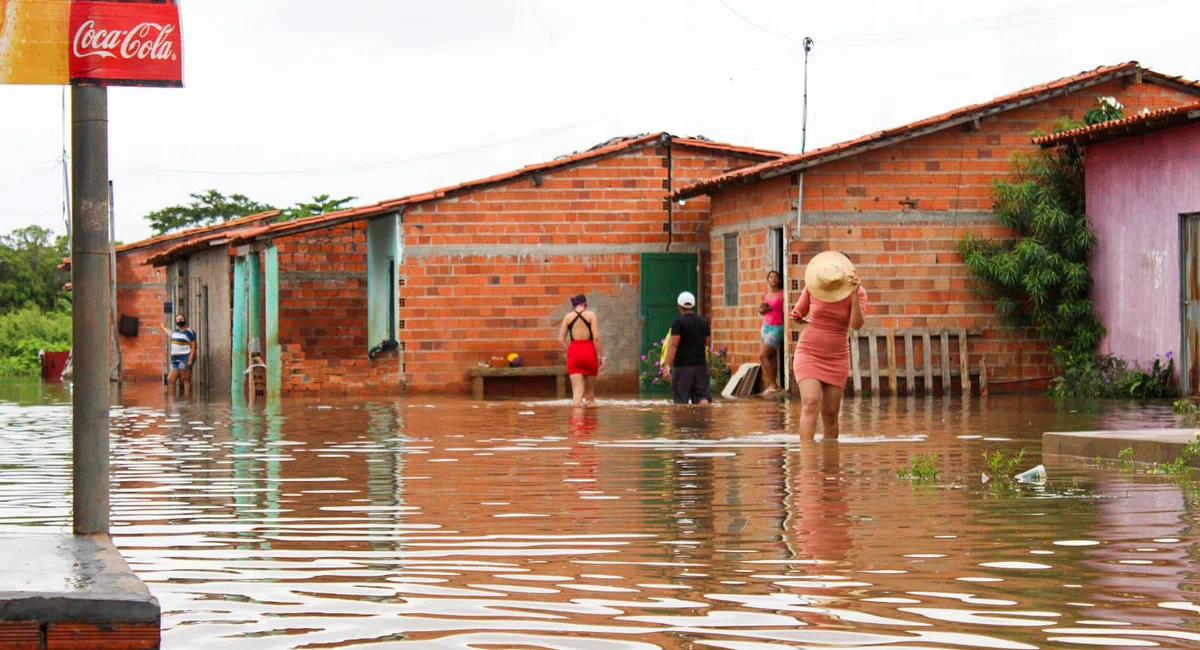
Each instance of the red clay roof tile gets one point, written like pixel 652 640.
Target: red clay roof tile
pixel 796 162
pixel 1149 121
pixel 607 148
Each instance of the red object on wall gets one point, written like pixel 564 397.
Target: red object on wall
pixel 126 43
pixel 53 364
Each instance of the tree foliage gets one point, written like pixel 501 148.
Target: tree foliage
pixel 321 204
pixel 25 332
pixel 29 273
pixel 206 208
pixel 211 206
pixel 1040 278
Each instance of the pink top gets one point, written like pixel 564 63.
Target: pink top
pixel 775 315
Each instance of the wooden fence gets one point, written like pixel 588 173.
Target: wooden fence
pixel 953 374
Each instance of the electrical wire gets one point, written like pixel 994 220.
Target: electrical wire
pixel 754 24
pixel 693 89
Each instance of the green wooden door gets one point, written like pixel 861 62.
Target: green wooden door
pixel 664 277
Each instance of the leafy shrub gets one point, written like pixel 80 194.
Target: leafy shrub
pixel 26 331
pixel 1087 375
pixel 718 368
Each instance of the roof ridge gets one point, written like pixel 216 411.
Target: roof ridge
pixel 934 122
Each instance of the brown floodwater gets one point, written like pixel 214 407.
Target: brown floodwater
pixel 445 523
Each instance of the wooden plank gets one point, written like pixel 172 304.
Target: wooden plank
pixel 891 353
pixel 523 371
pixel 927 344
pixel 910 377
pixel 964 367
pixel 855 372
pixel 731 388
pixel 983 390
pixel 874 352
pixel 947 384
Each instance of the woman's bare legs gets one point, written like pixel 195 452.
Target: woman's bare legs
pixel 589 390
pixel 768 359
pixel 811 392
pixel 578 388
pixel 831 407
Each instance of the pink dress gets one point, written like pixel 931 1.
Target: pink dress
pixel 824 349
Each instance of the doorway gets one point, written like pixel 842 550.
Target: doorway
pixel 1189 249
pixel 664 277
pixel 775 252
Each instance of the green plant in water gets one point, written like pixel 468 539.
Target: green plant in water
pixel 922 468
pixel 1185 407
pixel 1182 463
pixel 1125 459
pixel 1002 467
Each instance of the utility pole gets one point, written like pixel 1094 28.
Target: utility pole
pixel 90 315
pixel 808 46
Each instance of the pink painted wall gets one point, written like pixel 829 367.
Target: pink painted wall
pixel 1136 189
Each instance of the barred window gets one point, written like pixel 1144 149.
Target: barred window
pixel 731 270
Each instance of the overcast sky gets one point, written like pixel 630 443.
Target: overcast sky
pixel 285 99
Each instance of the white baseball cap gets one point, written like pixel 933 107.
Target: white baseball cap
pixel 686 299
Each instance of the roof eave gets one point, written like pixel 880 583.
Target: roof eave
pixel 884 139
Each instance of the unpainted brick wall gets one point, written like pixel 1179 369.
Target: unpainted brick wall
pixel 900 212
pixel 323 316
pixel 507 287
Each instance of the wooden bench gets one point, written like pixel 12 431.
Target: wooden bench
pixel 479 374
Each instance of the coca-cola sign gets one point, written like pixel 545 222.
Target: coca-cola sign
pixel 126 43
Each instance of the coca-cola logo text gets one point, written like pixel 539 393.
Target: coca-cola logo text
pixel 145 41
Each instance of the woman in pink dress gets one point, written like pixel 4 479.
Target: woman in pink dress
pixel 833 302
pixel 771 310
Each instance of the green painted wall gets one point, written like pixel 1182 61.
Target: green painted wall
pixel 272 348
pixel 383 258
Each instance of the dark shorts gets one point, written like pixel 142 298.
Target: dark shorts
pixel 690 385
pixel 179 362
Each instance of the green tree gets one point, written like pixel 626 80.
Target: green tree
pixel 322 204
pixel 29 273
pixel 206 208
pixel 1041 278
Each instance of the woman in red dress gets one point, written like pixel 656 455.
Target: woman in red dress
pixel 580 335
pixel 833 302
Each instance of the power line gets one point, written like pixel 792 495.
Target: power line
pixel 693 89
pixel 752 23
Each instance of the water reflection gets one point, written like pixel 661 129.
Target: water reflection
pixel 451 524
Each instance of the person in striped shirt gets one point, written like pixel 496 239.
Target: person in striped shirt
pixel 183 355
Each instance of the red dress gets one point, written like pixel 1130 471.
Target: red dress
pixel 824 349
pixel 582 358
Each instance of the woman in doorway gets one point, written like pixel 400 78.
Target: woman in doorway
pixel 833 302
pixel 771 310
pixel 580 335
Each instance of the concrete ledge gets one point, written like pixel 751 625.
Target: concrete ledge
pixel 64 580
pixel 1149 445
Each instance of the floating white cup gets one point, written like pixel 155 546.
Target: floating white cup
pixel 1035 475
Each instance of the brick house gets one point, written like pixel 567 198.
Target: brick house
pixel 476 270
pixel 148 296
pixel 898 202
pixel 1143 195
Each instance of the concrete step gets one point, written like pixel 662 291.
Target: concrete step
pixel 1149 445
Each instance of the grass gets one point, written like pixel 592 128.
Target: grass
pixel 1125 459
pixel 922 468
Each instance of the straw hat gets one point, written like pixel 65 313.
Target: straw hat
pixel 826 277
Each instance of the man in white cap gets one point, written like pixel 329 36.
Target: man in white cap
pixel 687 355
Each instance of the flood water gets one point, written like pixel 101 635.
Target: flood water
pixel 439 523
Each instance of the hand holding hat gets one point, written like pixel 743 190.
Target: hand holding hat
pixel 830 277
